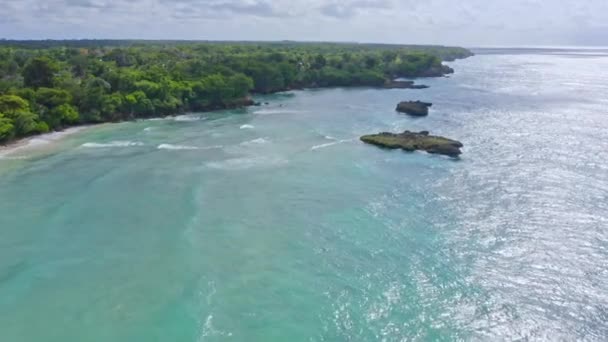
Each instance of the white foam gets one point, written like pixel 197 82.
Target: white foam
pixel 36 142
pixel 186 147
pixel 257 141
pixel 188 117
pixel 148 129
pixel 247 163
pixel 317 147
pixel 116 143
pixel 247 127
pixel 208 330
pixel 53 136
pixel 176 147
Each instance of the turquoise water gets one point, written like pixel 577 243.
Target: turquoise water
pixel 275 224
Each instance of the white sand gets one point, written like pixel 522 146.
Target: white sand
pixel 37 142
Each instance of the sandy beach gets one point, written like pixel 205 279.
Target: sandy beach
pixel 13 149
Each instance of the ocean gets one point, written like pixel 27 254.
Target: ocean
pixel 275 223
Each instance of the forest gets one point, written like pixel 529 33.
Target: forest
pixel 50 85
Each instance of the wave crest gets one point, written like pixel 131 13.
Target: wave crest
pixel 116 143
pixel 176 147
pixel 317 147
pixel 188 117
pixel 256 141
pixel 186 147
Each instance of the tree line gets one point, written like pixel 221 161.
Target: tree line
pixel 50 85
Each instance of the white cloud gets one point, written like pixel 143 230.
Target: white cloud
pixel 465 22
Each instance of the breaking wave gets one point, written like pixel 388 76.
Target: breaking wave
pixel 113 144
pixel 189 117
pixel 317 147
pixel 176 147
pixel 334 142
pixel 255 142
pixel 186 147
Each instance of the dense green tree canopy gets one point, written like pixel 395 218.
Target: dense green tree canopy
pixel 7 129
pixel 39 72
pixel 48 85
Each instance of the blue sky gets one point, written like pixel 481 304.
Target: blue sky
pixel 455 22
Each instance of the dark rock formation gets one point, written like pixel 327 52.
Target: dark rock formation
pixel 437 71
pixel 240 103
pixel 412 141
pixel 415 108
pixel 403 85
pixel 234 104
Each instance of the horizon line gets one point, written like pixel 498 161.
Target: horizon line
pixel 467 46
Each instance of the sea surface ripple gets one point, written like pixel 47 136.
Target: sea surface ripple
pixel 277 224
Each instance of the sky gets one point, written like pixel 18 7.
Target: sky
pixel 468 23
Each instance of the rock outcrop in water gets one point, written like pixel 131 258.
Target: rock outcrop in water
pixel 412 141
pixel 403 85
pixel 415 108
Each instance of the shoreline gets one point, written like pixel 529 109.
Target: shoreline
pixel 46 139
pixel 39 141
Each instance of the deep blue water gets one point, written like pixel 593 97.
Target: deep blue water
pixel 275 223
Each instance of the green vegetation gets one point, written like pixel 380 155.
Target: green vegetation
pixel 49 85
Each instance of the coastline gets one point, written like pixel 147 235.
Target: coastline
pixel 47 139
pixel 39 141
